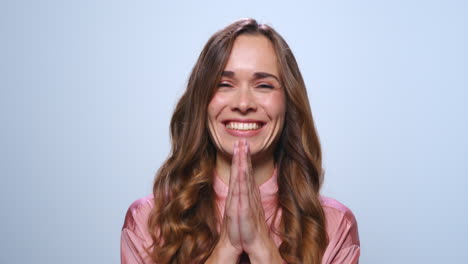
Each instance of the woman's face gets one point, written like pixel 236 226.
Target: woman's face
pixel 249 102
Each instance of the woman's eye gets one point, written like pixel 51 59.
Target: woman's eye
pixel 264 85
pixel 224 85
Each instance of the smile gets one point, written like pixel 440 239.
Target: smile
pixel 243 126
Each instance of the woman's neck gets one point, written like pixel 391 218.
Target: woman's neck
pixel 263 167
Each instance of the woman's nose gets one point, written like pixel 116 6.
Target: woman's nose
pixel 244 101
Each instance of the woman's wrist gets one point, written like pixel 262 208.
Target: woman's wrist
pixel 267 254
pixel 224 253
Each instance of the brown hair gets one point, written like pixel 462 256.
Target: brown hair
pixel 183 222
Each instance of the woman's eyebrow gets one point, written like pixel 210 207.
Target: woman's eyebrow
pixel 261 75
pixel 257 75
pixel 228 74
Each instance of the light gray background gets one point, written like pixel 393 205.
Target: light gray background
pixel 88 88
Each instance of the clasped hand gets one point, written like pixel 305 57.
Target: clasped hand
pixel 244 227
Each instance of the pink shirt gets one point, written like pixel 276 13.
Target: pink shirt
pixel 343 247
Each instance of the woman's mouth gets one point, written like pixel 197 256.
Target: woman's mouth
pixel 244 128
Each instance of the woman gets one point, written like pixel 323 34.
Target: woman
pixel 242 181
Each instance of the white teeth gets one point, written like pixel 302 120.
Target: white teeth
pixel 242 126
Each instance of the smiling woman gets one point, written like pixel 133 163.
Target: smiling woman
pixel 242 183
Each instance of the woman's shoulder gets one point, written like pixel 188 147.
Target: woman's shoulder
pixel 135 239
pixel 138 212
pixel 333 207
pixel 340 219
pixel 342 230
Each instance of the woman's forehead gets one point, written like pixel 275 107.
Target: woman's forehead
pixel 252 54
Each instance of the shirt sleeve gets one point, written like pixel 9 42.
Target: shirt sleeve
pixel 347 255
pixel 344 244
pixel 135 239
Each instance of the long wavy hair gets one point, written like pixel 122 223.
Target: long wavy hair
pixel 183 223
